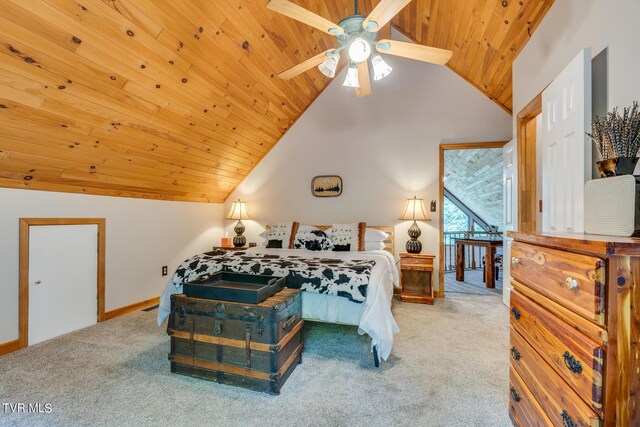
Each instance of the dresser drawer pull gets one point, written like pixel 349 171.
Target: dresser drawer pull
pixel 515 260
pixel 571 363
pixel 567 421
pixel 571 283
pixel 515 353
pixel 516 313
pixel 514 395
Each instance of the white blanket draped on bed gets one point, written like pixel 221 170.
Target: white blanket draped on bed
pixel 373 317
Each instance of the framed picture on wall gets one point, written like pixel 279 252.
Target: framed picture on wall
pixel 326 186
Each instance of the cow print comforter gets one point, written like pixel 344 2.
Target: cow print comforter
pixel 344 278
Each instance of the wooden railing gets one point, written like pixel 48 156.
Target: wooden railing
pixel 473 254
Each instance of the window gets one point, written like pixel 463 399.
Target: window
pixel 454 218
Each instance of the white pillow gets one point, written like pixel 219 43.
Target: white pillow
pixel 373 246
pixel 281 235
pixel 375 235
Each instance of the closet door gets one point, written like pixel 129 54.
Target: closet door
pixel 63 279
pixel 566 155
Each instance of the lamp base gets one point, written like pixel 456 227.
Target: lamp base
pixel 239 240
pixel 413 245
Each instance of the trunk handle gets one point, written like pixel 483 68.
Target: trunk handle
pixel 289 322
pixel 247 342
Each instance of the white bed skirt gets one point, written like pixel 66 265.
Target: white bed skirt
pixel 330 308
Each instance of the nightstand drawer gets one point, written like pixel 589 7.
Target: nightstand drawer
pixel 415 261
pixel 573 356
pixel 570 279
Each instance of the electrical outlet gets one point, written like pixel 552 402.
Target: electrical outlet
pixel 165 270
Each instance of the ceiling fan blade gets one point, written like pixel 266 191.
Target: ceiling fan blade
pixel 383 13
pixel 305 16
pixel 414 51
pixel 363 80
pixel 304 65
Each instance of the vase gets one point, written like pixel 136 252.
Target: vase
pixel 617 166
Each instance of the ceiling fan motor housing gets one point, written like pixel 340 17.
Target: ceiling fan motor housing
pixel 352 26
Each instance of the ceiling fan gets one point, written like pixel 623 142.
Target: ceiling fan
pixel 358 35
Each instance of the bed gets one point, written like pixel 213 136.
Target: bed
pixel 371 313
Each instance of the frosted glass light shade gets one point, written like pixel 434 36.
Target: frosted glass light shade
pixel 359 50
pixel 380 68
pixel 415 210
pixel 328 67
pixel 352 78
pixel 238 211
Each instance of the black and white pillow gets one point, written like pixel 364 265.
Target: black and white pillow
pixel 312 240
pixel 348 237
pixel 281 236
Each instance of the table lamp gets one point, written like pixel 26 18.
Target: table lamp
pixel 414 210
pixel 239 211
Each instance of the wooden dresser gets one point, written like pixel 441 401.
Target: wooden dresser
pixel 575 330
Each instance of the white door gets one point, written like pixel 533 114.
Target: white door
pixel 566 155
pixel 510 203
pixel 63 279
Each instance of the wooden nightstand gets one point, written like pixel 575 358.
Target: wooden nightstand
pixel 416 278
pixel 232 248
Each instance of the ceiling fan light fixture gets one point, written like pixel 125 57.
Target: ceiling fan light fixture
pixel 328 67
pixel 359 50
pixel 352 77
pixel 380 68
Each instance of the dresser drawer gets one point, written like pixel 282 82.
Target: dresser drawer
pixel 528 411
pixel 561 404
pixel 573 280
pixel 576 358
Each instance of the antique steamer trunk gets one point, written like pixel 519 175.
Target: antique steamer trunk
pixel 255 346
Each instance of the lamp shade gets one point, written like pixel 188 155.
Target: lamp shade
pixel 352 77
pixel 415 210
pixel 238 211
pixel 380 68
pixel 328 67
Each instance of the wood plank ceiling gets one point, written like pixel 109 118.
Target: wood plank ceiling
pixel 178 100
pixel 485 36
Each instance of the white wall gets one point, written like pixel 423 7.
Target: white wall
pixel 571 25
pixel 385 148
pixel 142 236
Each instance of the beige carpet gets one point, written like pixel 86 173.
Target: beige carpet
pixel 448 368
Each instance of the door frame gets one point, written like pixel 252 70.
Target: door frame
pixel 23 298
pixel 527 166
pixel 443 148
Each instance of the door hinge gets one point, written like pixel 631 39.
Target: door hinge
pixel 540 205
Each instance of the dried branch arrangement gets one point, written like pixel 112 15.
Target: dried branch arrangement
pixel 617 135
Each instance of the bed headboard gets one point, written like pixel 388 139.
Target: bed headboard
pixel 388 244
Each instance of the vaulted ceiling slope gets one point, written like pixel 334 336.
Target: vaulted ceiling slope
pixel 485 36
pixel 174 100
pixel 178 100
